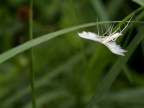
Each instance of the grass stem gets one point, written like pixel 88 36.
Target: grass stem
pixel 31 55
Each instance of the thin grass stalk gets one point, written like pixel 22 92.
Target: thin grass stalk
pixel 31 56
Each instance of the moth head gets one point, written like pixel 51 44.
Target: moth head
pixel 115 36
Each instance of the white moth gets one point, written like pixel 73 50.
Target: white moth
pixel 108 41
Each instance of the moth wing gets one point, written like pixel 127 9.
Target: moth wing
pixel 89 35
pixel 114 48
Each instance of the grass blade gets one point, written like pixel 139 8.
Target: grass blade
pixel 31 56
pixel 11 53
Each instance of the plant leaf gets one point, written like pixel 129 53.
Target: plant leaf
pixel 140 2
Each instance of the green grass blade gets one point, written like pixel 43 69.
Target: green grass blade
pixel 140 2
pixel 11 53
pixel 31 56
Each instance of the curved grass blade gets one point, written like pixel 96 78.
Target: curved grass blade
pixel 11 53
pixel 32 43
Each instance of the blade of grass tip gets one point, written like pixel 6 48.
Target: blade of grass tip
pixel 27 45
pixel 105 84
pixel 31 56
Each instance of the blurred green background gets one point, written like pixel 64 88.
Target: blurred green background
pixel 68 69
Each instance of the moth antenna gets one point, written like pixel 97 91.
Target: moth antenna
pixel 126 24
pixel 111 29
pixel 116 30
pixel 101 29
pixel 119 29
pixel 107 30
pixel 97 27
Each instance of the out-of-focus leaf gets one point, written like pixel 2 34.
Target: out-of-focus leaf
pixel 140 2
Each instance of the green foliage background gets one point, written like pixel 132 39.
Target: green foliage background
pixel 70 72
